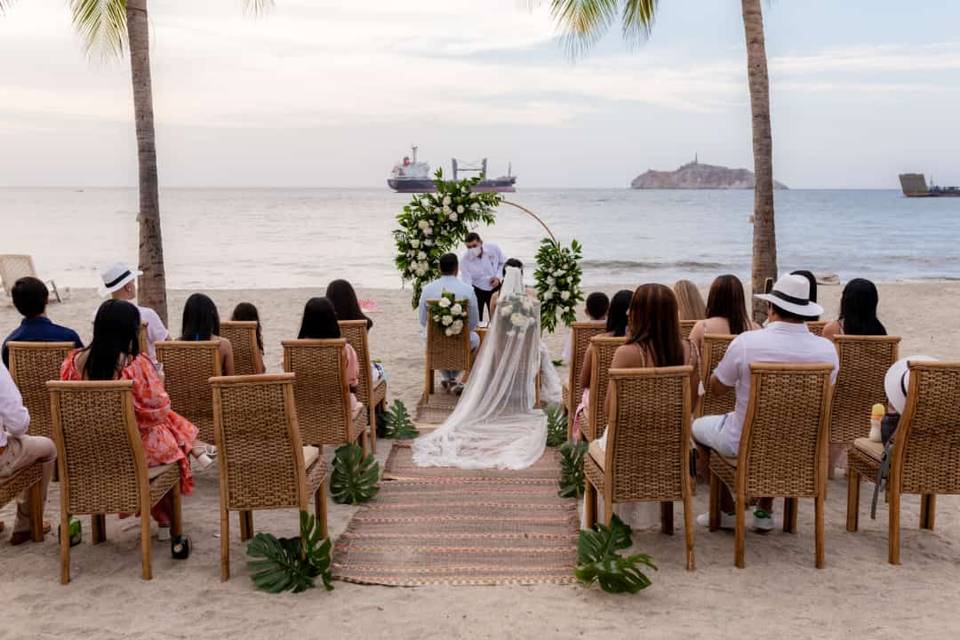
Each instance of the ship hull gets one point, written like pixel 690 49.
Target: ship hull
pixel 914 185
pixel 426 185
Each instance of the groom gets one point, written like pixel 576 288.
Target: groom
pixel 448 282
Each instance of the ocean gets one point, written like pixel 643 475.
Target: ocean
pixel 268 238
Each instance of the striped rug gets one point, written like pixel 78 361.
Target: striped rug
pixel 457 527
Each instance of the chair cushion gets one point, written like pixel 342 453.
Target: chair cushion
pixel 310 455
pixel 597 453
pixel 870 448
pixel 156 472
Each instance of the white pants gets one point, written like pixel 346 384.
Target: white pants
pixel 709 431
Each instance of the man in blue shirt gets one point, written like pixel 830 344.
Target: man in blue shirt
pixel 30 297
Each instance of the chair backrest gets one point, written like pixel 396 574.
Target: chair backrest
pixel 714 348
pixel 355 333
pixel 603 349
pixel 926 452
pixel 451 353
pixel 187 369
pixel 32 366
pixel 242 336
pixel 783 446
pixel 12 268
pixel 143 341
pixel 581 333
pixel 321 390
pixel 686 326
pixel 816 326
pixel 99 451
pixel 258 442
pixel 648 446
pixel 864 361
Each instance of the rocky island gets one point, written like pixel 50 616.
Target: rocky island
pixel 696 175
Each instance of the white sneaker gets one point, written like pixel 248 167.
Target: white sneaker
pixel 201 462
pixel 163 533
pixel 762 521
pixel 727 520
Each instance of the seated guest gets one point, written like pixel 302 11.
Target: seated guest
pixel 30 297
pixel 596 306
pixel 785 339
pixel 114 354
pixel 18 450
pixel 320 323
pixel 858 312
pixel 726 311
pixel 120 283
pixel 689 301
pixel 247 312
pixel 201 321
pixel 449 283
pixel 341 295
pixel 812 279
pixel 617 322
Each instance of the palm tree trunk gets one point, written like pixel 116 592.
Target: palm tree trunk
pixel 764 232
pixel 153 285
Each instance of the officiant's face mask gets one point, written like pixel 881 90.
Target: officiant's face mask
pixel 476 250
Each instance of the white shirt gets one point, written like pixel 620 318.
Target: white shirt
pixel 156 332
pixel 779 342
pixel 14 417
pixel 477 270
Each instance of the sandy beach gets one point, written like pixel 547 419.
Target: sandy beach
pixel 779 593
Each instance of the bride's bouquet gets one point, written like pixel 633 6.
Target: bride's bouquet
pixel 449 314
pixel 518 311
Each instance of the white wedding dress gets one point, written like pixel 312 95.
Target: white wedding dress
pixel 495 423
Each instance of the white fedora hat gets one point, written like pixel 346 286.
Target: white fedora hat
pixel 897 381
pixel 792 293
pixel 115 277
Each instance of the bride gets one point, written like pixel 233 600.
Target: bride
pixel 495 423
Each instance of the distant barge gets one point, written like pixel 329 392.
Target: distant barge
pixel 411 176
pixel 914 185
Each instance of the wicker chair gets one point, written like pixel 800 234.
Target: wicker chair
pixel 864 361
pixel 27 479
pixel 13 267
pixel 102 465
pixel 242 336
pixel 323 394
pixel 925 458
pixel 603 349
pixel 816 326
pixel 714 348
pixel 263 463
pixel 187 367
pixel 773 462
pixel 686 326
pixel 648 448
pixel 371 395
pixel 32 365
pixel 580 335
pixel 445 353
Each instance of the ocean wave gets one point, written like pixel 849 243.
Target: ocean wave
pixel 632 265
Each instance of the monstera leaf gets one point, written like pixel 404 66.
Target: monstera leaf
pixel 353 479
pixel 571 469
pixel 598 560
pixel 556 426
pixel 290 564
pixel 398 422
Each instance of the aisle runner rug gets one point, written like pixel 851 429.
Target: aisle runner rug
pixel 458 527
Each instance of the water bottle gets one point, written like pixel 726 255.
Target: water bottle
pixel 876 420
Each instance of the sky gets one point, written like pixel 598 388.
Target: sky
pixel 321 93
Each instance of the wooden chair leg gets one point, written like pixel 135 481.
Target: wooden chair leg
pixel 818 518
pixel 98 528
pixel 36 512
pixel 246 525
pixel 853 500
pixel 740 532
pixel 589 504
pixel 666 518
pixel 688 527
pixel 428 383
pixel 893 554
pixel 373 430
pixel 224 545
pixel 714 502
pixel 607 506
pixel 176 520
pixel 64 548
pixel 320 508
pixel 790 515
pixel 928 510
pixel 146 546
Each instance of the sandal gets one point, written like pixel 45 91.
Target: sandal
pixel 20 537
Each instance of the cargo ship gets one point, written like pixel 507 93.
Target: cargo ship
pixel 914 185
pixel 412 176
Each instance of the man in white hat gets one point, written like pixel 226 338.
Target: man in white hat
pixel 785 339
pixel 120 283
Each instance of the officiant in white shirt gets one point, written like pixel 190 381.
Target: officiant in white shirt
pixel 482 268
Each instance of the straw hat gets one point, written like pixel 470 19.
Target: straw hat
pixel 897 381
pixel 115 277
pixel 792 293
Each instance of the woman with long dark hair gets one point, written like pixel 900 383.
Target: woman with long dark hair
pixel 858 312
pixel 319 322
pixel 114 354
pixel 342 296
pixel 726 311
pixel 201 321
pixel 247 312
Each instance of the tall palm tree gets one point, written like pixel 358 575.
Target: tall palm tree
pixel 585 21
pixel 105 26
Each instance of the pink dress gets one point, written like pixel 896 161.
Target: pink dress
pixel 167 436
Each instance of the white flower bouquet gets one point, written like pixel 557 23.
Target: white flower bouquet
pixel 449 315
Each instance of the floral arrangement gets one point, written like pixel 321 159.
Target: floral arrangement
pixel 558 277
pixel 518 311
pixel 434 223
pixel 449 314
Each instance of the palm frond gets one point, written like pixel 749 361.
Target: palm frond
pixel 637 19
pixel 102 24
pixel 257 7
pixel 4 4
pixel 584 22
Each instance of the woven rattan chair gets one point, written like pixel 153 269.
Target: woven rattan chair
pixel 102 466
pixel 445 353
pixel 925 458
pixel 371 395
pixel 323 394
pixel 714 348
pixel 13 267
pixel 816 326
pixel 783 447
pixel 864 361
pixel 187 367
pixel 242 336
pixel 32 365
pixel 648 448
pixel 580 335
pixel 263 463
pixel 686 326
pixel 27 479
pixel 603 349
